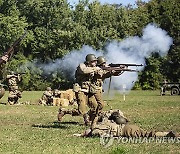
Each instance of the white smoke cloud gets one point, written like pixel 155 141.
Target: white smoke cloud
pixel 135 50
pixel 130 50
pixel 68 64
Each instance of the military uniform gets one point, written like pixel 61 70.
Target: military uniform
pixel 14 93
pixel 83 75
pixel 118 126
pixel 47 97
pixel 96 89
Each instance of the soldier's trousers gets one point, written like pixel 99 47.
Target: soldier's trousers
pixel 96 105
pixel 82 101
pixel 128 131
pixel 13 97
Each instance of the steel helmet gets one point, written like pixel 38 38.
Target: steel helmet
pixel 91 57
pixel 101 60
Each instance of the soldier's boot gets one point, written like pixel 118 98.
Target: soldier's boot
pixel 86 119
pixel 172 134
pixel 10 101
pixel 62 113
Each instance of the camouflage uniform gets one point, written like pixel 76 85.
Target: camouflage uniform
pixel 47 97
pixel 14 93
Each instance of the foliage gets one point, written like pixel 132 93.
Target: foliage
pixel 55 28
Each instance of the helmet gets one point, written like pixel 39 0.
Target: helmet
pixel 101 60
pixel 117 118
pixel 90 57
pixel 48 88
pixel 120 120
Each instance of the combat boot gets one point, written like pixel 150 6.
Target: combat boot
pixel 86 119
pixel 94 122
pixel 172 134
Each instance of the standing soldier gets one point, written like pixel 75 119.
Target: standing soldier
pixel 47 97
pixel 3 61
pixel 14 93
pixel 97 89
pixel 163 87
pixel 84 75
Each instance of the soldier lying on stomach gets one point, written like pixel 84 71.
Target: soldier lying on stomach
pixel 113 122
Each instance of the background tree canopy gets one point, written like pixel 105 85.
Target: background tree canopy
pixel 55 28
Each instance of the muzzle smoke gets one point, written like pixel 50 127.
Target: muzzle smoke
pixel 131 50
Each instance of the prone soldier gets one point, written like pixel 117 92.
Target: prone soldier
pixel 115 124
pixel 14 93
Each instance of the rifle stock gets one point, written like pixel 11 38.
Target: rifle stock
pixel 9 52
pixel 118 69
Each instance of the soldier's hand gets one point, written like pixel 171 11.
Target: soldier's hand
pixel 5 58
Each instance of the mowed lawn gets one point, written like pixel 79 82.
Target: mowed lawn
pixel 34 129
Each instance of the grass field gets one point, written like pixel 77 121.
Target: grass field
pixel 34 129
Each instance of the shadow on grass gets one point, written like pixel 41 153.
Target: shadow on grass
pixel 71 123
pixel 3 103
pixel 53 125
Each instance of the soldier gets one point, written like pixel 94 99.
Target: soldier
pixel 4 58
pixel 163 87
pixel 56 93
pixel 14 93
pixel 96 89
pixel 114 123
pixel 84 75
pixel 47 97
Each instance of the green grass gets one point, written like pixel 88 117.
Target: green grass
pixel 34 129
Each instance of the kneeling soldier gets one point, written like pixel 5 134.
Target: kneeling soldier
pixel 14 93
pixel 47 97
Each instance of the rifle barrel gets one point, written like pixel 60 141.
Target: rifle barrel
pixel 118 65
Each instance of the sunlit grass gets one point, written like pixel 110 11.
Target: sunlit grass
pixel 34 129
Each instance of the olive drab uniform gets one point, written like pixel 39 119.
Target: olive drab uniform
pixel 96 91
pixel 118 126
pixel 83 76
pixel 47 97
pixel 97 84
pixel 14 93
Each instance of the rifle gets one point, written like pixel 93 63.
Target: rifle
pixel 19 73
pixel 3 85
pixel 120 65
pixel 9 52
pixel 118 69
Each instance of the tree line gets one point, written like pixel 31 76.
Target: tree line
pixel 55 28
